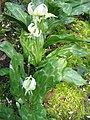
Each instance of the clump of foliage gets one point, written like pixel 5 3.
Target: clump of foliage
pixel 29 88
pixel 67 101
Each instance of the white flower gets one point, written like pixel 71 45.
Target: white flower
pixel 34 30
pixel 29 84
pixel 40 10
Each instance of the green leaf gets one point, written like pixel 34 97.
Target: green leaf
pixel 78 51
pixel 75 7
pixel 70 75
pixel 66 20
pixel 8 49
pixel 49 74
pixel 17 73
pixel 53 39
pixel 68 50
pixel 66 7
pixel 32 48
pixel 79 7
pixel 4 71
pixel 17 12
pixel 35 112
pixel 7 113
pixel 10 17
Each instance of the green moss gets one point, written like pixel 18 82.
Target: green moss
pixel 82 28
pixel 66 101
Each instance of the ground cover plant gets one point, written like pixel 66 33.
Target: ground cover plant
pixel 45 58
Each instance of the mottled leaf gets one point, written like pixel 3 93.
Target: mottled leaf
pixel 49 74
pixel 71 75
pixel 4 71
pixel 17 12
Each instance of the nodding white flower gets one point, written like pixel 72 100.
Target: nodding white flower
pixel 34 30
pixel 40 10
pixel 29 84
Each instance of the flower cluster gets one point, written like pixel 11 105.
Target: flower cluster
pixel 40 10
pixel 29 84
pixel 37 13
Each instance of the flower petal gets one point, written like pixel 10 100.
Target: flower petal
pixel 40 10
pixel 33 84
pixel 30 10
pixel 48 15
pixel 37 33
pixel 31 28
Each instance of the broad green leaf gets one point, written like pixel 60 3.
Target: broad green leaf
pixel 78 51
pixel 7 113
pixel 79 7
pixel 75 7
pixel 17 73
pixel 70 75
pixel 35 112
pixel 12 54
pixel 4 71
pixel 56 39
pixel 68 50
pixel 66 20
pixel 8 49
pixel 53 39
pixel 17 12
pixel 49 74
pixel 66 7
pixel 10 17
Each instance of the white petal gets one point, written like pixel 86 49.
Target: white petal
pixel 33 84
pixel 31 28
pixel 48 15
pixel 30 10
pixel 37 33
pixel 40 10
pixel 88 116
pixel 26 84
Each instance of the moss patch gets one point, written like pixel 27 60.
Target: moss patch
pixel 66 101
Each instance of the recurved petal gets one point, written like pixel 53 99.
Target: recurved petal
pixel 33 84
pixel 31 28
pixel 30 10
pixel 40 10
pixel 48 15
